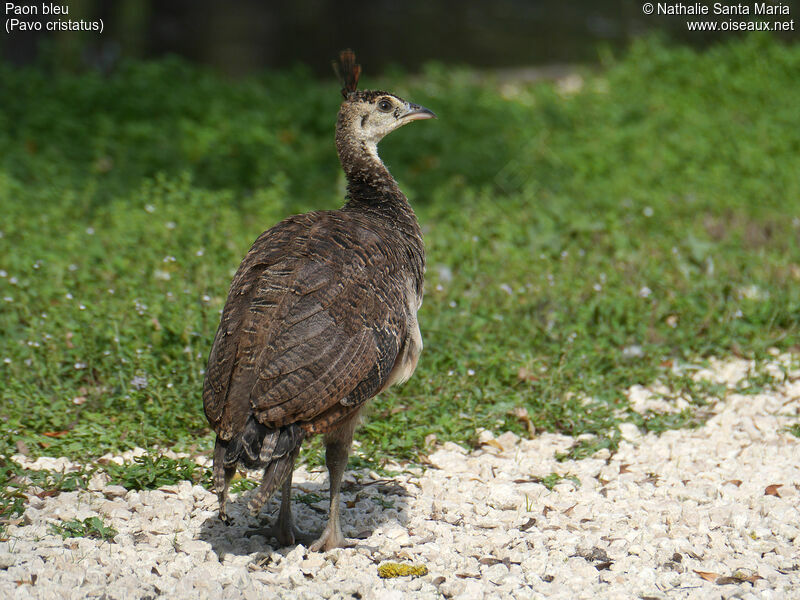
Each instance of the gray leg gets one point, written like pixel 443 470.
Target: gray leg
pixel 337 449
pixel 284 530
pixel 222 478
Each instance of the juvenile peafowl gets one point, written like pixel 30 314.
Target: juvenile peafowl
pixel 321 316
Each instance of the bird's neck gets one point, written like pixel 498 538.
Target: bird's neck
pixel 371 190
pixel 370 186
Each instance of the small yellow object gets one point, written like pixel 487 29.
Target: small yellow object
pixel 390 570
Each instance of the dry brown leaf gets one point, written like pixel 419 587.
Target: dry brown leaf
pixel 68 337
pixel 623 468
pixel 570 509
pixel 56 434
pixel 772 490
pixel 736 482
pixel 521 413
pixel 708 576
pixel 493 444
pixel 525 375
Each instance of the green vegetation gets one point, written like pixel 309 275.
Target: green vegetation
pixel 579 241
pixel 148 473
pixel 92 527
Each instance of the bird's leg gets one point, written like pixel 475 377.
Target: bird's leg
pixel 337 449
pixel 222 478
pixel 284 530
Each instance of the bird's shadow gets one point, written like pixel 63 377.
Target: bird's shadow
pixel 366 504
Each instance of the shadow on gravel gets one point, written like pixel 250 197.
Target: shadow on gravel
pixel 365 506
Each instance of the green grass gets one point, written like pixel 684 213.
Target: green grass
pixel 91 527
pixel 577 243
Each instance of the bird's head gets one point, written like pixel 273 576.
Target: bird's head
pixel 369 115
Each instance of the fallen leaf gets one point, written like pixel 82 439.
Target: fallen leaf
pixel 493 444
pixel 521 413
pixel 56 434
pixel 68 337
pixel 531 522
pixel 736 482
pixel 570 509
pixel 708 576
pixel 525 375
pixel 623 468
pixel 772 490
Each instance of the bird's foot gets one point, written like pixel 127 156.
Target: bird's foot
pixel 286 536
pixel 331 538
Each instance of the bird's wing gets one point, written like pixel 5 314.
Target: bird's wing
pixel 315 325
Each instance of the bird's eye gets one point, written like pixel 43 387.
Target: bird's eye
pixel 384 106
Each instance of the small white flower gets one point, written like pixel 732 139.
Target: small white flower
pixel 199 252
pixel 73 267
pixel 738 314
pixel 3 273
pixel 90 230
pixel 81 307
pixel 206 298
pixel 8 299
pixel 68 296
pixel 13 281
pixel 439 287
pixel 452 304
pixel 648 211
pixel 645 292
pixel 470 372
pixel 7 361
pixel 506 288
pixel 139 382
pixel 169 259
pixel 597 287
pixel 80 365
pixel 564 254
pixel 449 373
pixel 633 351
pixel 170 225
pixel 149 208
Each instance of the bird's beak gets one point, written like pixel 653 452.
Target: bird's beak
pixel 417 113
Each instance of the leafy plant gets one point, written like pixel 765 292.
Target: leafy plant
pixel 91 527
pixel 148 473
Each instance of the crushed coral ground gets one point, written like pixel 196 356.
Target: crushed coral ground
pixel 707 512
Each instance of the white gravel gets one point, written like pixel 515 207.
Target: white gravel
pixel 688 514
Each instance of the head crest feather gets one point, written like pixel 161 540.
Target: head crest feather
pixel 348 72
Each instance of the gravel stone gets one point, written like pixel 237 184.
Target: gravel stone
pixel 642 523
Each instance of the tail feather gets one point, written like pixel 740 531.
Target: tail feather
pixel 275 450
pixel 274 476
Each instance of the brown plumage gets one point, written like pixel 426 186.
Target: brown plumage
pixel 320 317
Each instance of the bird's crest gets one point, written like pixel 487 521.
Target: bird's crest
pixel 348 72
